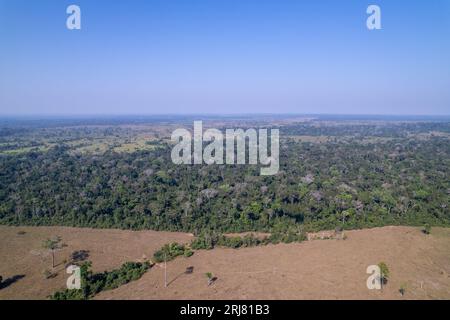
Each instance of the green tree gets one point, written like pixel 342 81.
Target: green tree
pixel 402 289
pixel 210 277
pixel 384 273
pixel 52 245
pixel 426 229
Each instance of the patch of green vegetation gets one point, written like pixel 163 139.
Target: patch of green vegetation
pixel 209 241
pixel 24 150
pixel 171 251
pixel 96 148
pixel 93 283
pixel 136 145
pixel 384 272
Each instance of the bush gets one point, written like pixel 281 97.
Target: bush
pixel 231 242
pixel 171 251
pixel 402 289
pixel 426 229
pixel 209 241
pixel 210 277
pixel 287 237
pixel 205 241
pixel 188 253
pixel 92 284
pixel 384 272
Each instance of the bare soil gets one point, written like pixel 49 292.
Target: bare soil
pixel 23 259
pixel 318 269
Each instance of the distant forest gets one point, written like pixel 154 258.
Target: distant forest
pixel 349 174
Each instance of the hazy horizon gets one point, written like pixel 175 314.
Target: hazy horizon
pixel 200 116
pixel 6 115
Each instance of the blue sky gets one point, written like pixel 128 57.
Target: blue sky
pixel 224 56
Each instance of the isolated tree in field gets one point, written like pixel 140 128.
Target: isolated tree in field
pixel 384 273
pixel 52 245
pixel 426 229
pixel 210 277
pixel 402 289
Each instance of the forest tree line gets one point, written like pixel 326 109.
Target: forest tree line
pixel 361 180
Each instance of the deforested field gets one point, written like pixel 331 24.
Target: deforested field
pixel 24 258
pixel 255 235
pixel 317 269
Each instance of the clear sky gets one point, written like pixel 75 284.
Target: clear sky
pixel 224 56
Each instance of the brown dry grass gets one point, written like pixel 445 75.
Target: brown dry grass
pixel 108 249
pixel 321 269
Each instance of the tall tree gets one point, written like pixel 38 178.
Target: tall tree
pixel 53 245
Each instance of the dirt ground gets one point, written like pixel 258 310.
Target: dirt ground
pixel 23 260
pixel 318 269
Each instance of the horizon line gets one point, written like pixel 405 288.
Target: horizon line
pixel 106 115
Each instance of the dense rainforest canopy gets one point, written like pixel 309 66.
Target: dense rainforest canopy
pixel 348 174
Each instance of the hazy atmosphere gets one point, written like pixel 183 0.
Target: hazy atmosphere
pixel 216 57
pixel 233 158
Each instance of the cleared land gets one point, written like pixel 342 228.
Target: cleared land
pixel 319 269
pixel 24 259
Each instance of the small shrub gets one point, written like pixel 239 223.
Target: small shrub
pixel 171 251
pixel 402 289
pixel 211 278
pixel 384 272
pixel 426 229
pixel 188 253
pixel 205 241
